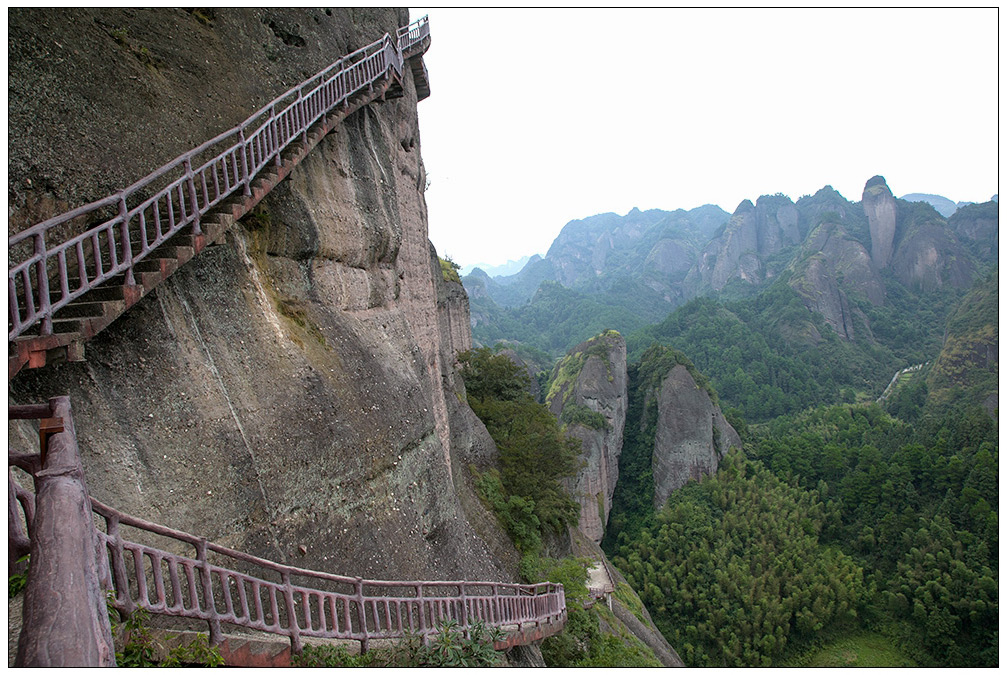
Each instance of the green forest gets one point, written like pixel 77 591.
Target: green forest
pixel 835 520
pixel 858 525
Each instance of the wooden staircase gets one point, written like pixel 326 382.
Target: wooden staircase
pixel 60 335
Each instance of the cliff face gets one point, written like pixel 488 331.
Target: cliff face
pixel 834 264
pixel 588 394
pixel 753 233
pixel 691 435
pixel 879 207
pixel 291 393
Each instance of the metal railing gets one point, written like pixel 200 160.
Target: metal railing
pixel 138 219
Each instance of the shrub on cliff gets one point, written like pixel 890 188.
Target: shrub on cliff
pixel 533 453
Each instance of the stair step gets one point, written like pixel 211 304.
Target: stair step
pixel 72 325
pixel 107 291
pixel 85 309
pixel 169 265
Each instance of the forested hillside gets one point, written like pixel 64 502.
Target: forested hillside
pixel 847 518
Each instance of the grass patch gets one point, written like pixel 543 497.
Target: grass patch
pixel 860 650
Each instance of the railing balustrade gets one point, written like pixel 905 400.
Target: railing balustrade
pixel 294 604
pixel 134 222
pixel 208 583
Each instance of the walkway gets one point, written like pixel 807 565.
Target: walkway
pixel 66 285
pixel 75 562
pixel 63 293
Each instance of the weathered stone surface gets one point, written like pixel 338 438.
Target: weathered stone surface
pixel 879 207
pixel 692 435
pixel 928 256
pixel 834 264
pixel 592 377
pixel 977 226
pixel 754 232
pixel 294 387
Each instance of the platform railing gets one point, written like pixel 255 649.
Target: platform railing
pixel 122 229
pixel 97 549
pixel 296 602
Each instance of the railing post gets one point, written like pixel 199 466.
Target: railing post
pixel 465 610
pixel 127 249
pixel 216 636
pixel 42 278
pixel 65 617
pixel 245 178
pixel 423 613
pixel 303 115
pixel 187 164
pixel 274 130
pixel 361 615
pixel 292 627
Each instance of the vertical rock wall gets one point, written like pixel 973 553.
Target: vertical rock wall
pixel 290 393
pixel 588 392
pixel 691 437
pixel 879 207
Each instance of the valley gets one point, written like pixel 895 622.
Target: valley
pixel 827 501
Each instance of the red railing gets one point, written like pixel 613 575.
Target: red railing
pixel 214 584
pixel 138 219
pixel 300 602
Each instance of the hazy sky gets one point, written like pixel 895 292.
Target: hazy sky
pixel 539 117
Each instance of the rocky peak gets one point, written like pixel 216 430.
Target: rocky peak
pixel 692 434
pixel 879 207
pixel 754 232
pixel 587 392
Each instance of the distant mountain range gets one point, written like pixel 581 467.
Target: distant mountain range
pixel 506 269
pixel 839 258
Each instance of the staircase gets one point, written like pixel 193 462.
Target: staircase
pixel 61 295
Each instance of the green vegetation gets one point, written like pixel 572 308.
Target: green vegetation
pixel 525 493
pixel 761 355
pixel 583 643
pixel 732 570
pixel 17 581
pixel 584 416
pixel 139 649
pixel 449 648
pixel 449 270
pixel 918 506
pixel 967 369
pixel 857 650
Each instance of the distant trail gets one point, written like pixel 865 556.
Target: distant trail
pixel 895 378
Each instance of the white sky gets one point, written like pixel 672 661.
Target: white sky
pixel 539 117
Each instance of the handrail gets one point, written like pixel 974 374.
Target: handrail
pixel 106 250
pixel 300 603
pixel 196 588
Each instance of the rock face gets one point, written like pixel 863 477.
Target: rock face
pixel 977 227
pixel 928 256
pixel 833 264
pixel 691 436
pixel 588 394
pixel 879 207
pixel 753 233
pixel 291 393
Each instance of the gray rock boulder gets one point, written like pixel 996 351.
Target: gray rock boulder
pixel 691 436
